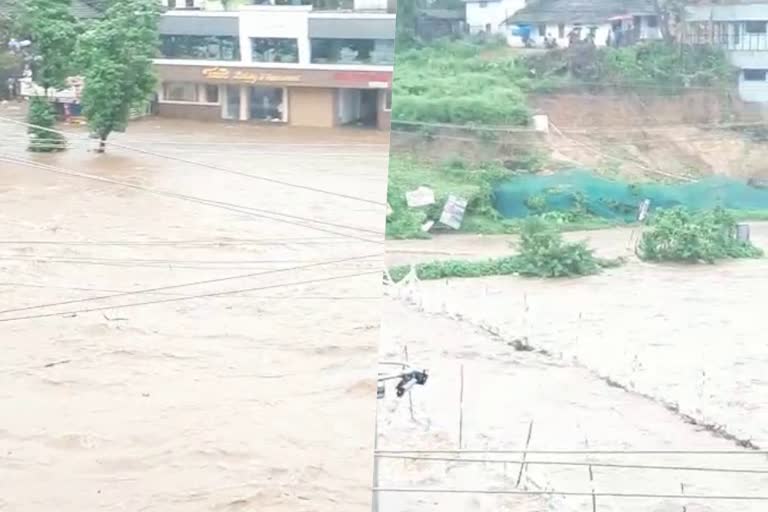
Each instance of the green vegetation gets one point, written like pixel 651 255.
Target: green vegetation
pixel 116 58
pixel 684 236
pixel 50 26
pixel 485 83
pixel 113 54
pixel 658 65
pixel 450 83
pixel 42 115
pixel 474 183
pixel 542 253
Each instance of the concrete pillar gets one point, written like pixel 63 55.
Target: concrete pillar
pixel 245 103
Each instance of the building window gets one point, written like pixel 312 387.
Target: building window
pixel 189 4
pixel 171 4
pixel 542 30
pixel 199 47
pixel 267 104
pixel 180 91
pixel 561 31
pixel 388 100
pixel 353 51
pixel 211 93
pixel 755 27
pixel 653 21
pixel 189 92
pixel 275 49
pixel 483 4
pixel 755 75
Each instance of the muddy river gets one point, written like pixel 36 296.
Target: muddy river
pixel 251 390
pixel 680 341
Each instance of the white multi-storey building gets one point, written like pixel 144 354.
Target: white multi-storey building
pixel 278 63
pixel 742 31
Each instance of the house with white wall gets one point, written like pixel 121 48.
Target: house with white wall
pixel 616 22
pixel 742 31
pixel 489 15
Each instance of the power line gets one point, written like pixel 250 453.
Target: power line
pixel 190 297
pixel 577 452
pixel 217 204
pixel 208 166
pixel 175 243
pixel 249 208
pixel 260 297
pixel 140 262
pixel 687 497
pixel 578 464
pixel 184 285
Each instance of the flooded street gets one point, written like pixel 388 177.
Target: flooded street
pixel 255 394
pixel 631 358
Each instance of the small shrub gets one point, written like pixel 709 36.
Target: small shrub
pixel 544 253
pixel 680 235
pixel 43 118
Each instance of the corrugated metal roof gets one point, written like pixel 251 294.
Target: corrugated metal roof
pixel 580 11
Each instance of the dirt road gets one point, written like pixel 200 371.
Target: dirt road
pixel 251 400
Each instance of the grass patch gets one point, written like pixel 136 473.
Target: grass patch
pixel 448 82
pixel 474 183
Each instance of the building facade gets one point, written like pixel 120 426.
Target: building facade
pixel 277 64
pixel 489 15
pixel 611 22
pixel 742 31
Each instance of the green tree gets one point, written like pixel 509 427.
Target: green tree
pixel 42 119
pixel 52 29
pixel 116 55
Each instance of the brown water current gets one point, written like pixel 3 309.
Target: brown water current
pixel 250 400
pixel 644 357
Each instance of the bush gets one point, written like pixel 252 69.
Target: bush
pixel 43 118
pixel 684 236
pixel 544 253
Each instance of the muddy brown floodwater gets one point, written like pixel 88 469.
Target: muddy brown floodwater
pixel 254 400
pixel 640 357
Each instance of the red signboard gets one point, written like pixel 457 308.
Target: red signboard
pixel 363 76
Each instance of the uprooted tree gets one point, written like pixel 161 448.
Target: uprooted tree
pixel 116 55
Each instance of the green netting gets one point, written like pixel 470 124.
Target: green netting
pixel 613 199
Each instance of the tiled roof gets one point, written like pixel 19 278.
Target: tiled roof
pixel 579 11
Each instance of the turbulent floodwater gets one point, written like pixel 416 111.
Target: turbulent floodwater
pixel 257 399
pixel 691 337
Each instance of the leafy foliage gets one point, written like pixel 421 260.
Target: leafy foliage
pixel 41 115
pixel 116 54
pixel 466 82
pixel 542 253
pixel 474 183
pixel 679 235
pixel 655 63
pixel 449 82
pixel 53 30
